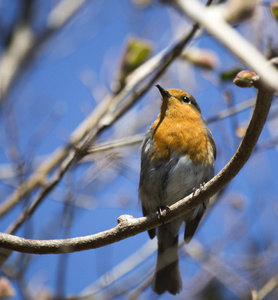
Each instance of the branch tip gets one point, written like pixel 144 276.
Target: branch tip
pixel 246 79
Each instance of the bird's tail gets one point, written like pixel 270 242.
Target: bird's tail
pixel 167 273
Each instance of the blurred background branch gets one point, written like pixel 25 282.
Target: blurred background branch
pixel 24 44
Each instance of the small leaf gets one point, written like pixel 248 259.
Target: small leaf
pixel 137 51
pixel 229 75
pixel 274 9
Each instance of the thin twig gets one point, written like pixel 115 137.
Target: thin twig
pixel 225 113
pixel 45 191
pixel 121 269
pixel 128 141
pixel 267 288
pixel 217 268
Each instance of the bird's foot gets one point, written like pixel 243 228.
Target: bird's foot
pixel 159 213
pixel 200 188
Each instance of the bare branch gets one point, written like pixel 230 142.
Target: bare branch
pixel 63 12
pixel 215 266
pixel 128 141
pixel 45 191
pixel 12 60
pixel 215 22
pixel 121 269
pixel 225 113
pixel 102 117
pixel 24 44
pixel 129 226
pixel 267 288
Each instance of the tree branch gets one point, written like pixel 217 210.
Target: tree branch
pixel 25 44
pixel 129 226
pixel 102 117
pixel 213 19
pixel 267 288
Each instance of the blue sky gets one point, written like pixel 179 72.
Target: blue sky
pixel 72 73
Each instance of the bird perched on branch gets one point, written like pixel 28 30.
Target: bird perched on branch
pixel 177 156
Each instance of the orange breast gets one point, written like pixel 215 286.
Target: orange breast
pixel 181 131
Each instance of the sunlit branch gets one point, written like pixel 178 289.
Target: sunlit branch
pixel 129 226
pixel 215 23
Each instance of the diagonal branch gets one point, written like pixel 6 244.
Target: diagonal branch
pixel 267 288
pixel 102 117
pixel 213 19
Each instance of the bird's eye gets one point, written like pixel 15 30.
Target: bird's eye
pixel 186 99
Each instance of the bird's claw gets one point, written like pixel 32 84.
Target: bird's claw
pixel 200 188
pixel 159 213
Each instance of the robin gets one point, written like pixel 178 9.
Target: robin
pixel 177 156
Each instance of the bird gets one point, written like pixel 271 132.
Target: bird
pixel 177 156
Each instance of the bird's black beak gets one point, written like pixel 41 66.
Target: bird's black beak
pixel 163 92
